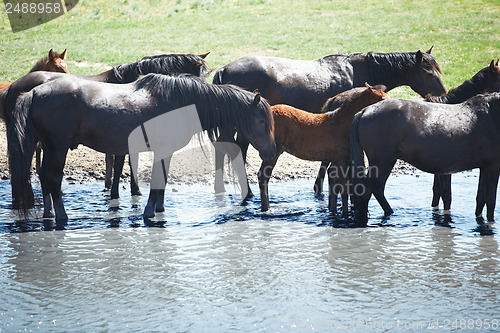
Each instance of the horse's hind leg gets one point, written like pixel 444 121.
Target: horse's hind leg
pixel 488 187
pixel 481 193
pixel 333 188
pixel 117 172
pixel 53 175
pixel 379 176
pixel 318 184
pixel 48 208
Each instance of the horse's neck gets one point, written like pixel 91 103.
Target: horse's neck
pixel 461 93
pixel 389 75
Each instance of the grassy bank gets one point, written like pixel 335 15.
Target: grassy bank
pixel 465 34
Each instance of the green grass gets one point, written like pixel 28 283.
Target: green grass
pixel 465 34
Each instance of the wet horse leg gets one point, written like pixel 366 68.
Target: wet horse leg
pixel 117 172
pixel 380 175
pixel 219 171
pixel 51 177
pixel 134 184
pixel 318 184
pixel 265 172
pixel 157 189
pixel 333 188
pixel 445 186
pixel 436 192
pixel 486 193
pixel 109 170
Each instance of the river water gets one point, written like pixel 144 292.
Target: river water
pixel 210 265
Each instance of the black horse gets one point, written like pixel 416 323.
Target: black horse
pixel 126 73
pixel 486 80
pixel 435 138
pixel 307 84
pixel 69 111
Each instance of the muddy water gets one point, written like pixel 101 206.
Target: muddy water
pixel 210 265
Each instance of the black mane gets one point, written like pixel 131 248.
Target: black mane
pixel 393 64
pixel 163 64
pixel 219 106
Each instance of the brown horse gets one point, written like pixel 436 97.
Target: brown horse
pixel 319 137
pixel 54 62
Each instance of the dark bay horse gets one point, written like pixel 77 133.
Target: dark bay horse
pixel 486 80
pixel 307 84
pixel 53 62
pixel 319 137
pixel 70 111
pixel 435 138
pixel 126 73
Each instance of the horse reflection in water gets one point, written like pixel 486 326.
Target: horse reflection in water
pixel 166 134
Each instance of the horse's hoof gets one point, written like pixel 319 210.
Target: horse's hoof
pixel 148 214
pixel 115 196
pixel 249 196
pixel 160 209
pixel 136 193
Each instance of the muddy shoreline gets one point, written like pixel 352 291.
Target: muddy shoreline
pixel 191 165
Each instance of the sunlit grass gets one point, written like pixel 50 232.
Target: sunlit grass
pixel 465 35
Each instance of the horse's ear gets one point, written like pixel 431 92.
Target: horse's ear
pixel 420 56
pixel 492 65
pixel 256 99
pixel 497 62
pixel 62 56
pixel 198 63
pixel 430 50
pixel 52 55
pixel 203 56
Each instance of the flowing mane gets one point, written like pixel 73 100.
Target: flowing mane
pixel 229 105
pixel 165 64
pixel 393 64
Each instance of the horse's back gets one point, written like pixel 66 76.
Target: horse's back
pixel 305 84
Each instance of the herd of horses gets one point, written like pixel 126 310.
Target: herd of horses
pixel 334 110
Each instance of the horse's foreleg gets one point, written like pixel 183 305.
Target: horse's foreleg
pixel 243 144
pixel 38 157
pixel 134 182
pixel 318 184
pixel 157 190
pixel 109 170
pixel 219 171
pixel 265 172
pixel 117 172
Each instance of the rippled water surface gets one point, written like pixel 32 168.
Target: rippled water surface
pixel 210 265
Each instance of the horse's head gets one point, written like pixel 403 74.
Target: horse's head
pixel 423 77
pixel 493 77
pixel 260 130
pixel 55 63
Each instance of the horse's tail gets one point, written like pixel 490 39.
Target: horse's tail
pixel 218 76
pixel 21 142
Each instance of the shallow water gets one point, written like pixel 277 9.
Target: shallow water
pixel 210 265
